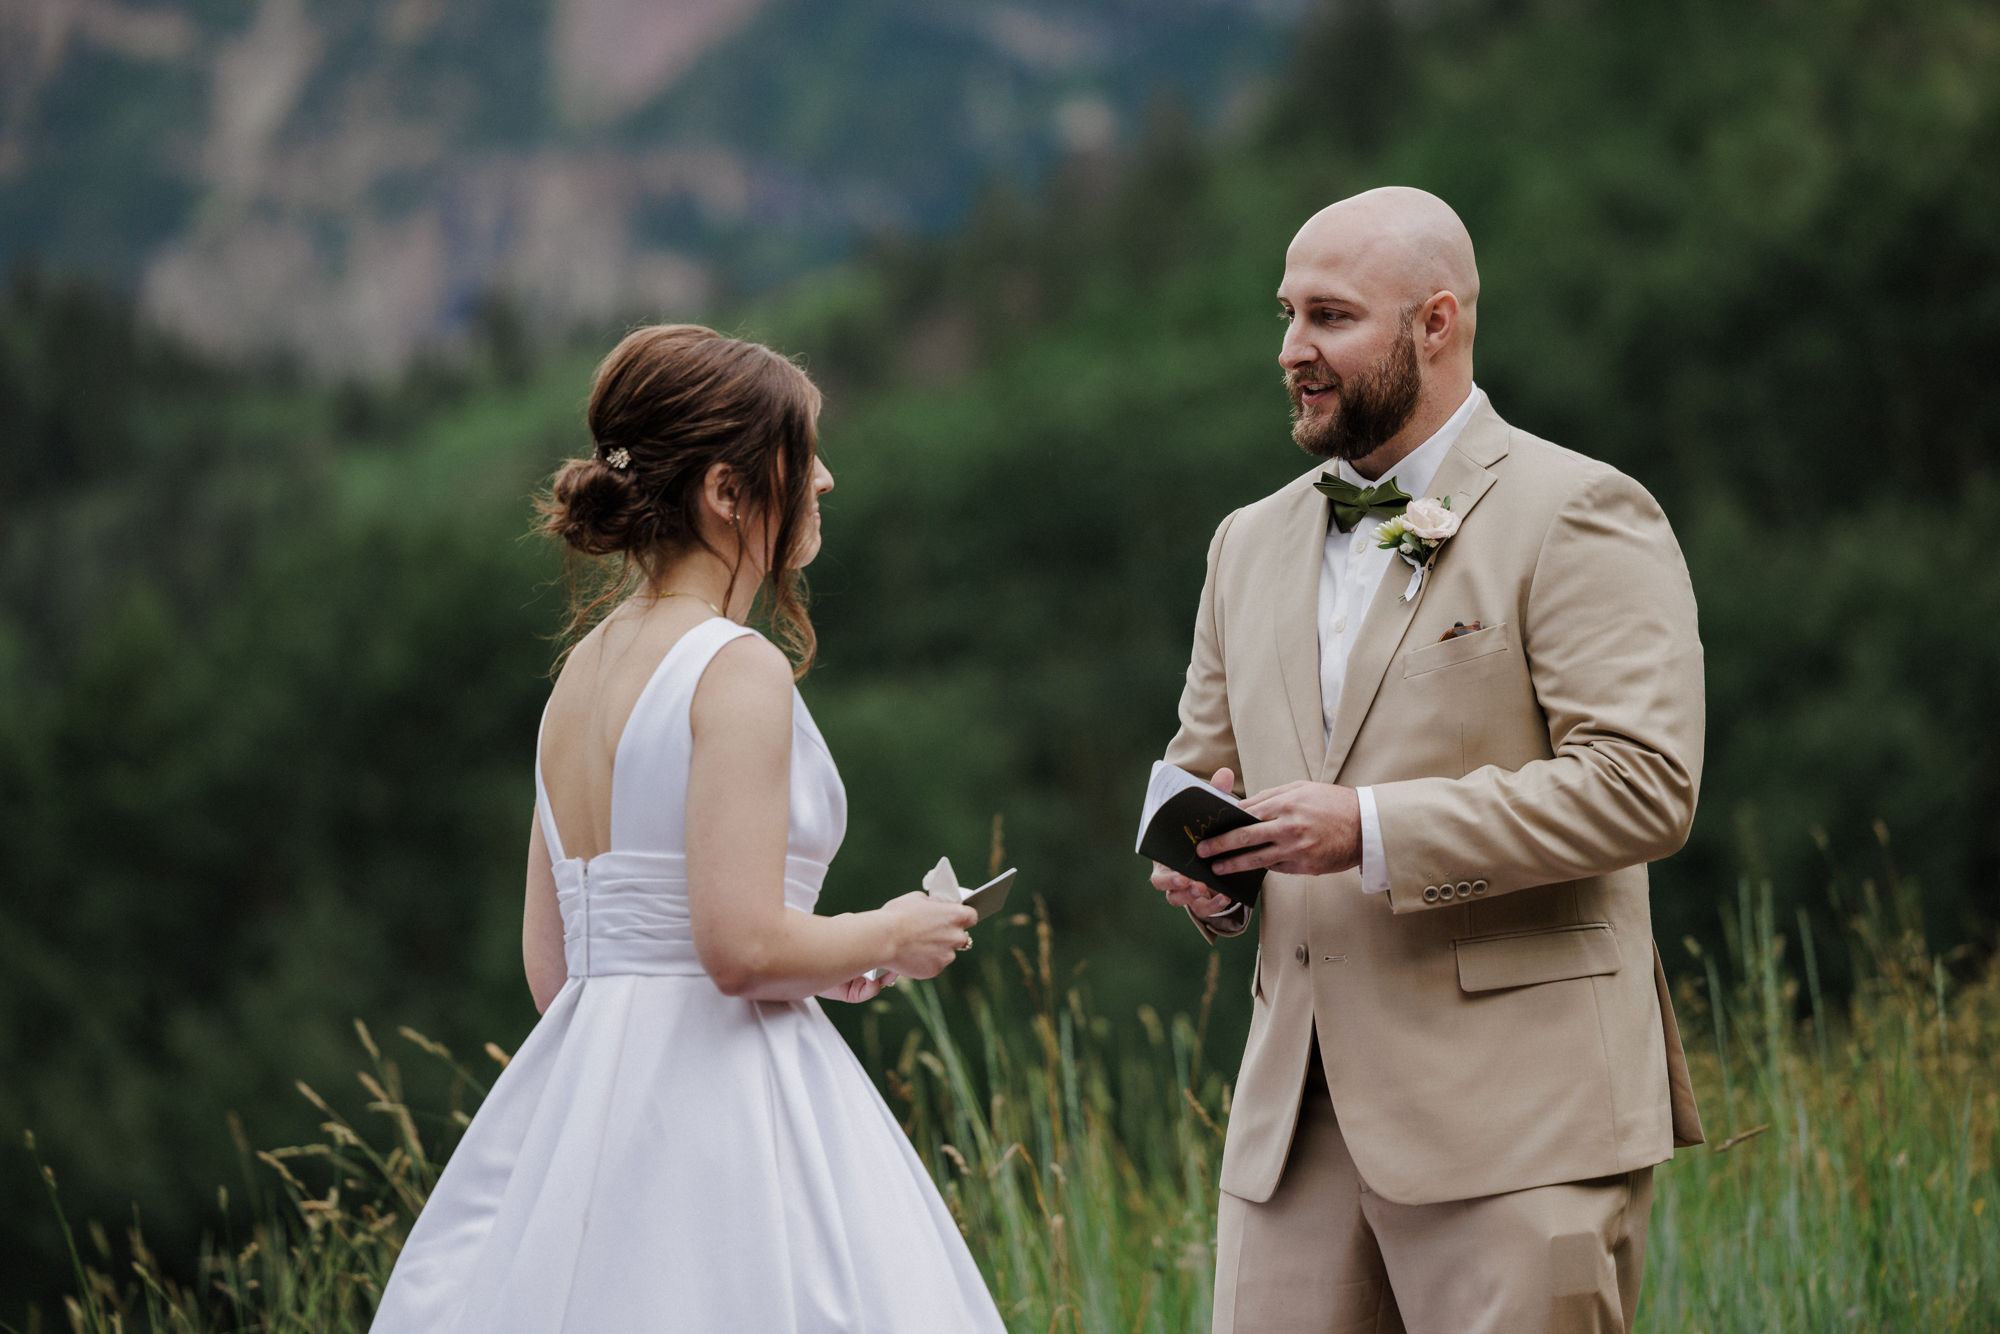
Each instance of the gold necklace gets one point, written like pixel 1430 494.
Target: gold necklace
pixel 678 593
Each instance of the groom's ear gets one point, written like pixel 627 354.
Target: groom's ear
pixel 1437 321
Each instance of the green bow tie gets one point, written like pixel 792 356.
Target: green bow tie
pixel 1351 502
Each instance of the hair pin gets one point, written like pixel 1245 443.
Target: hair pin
pixel 619 458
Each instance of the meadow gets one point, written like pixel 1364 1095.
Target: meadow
pixel 1849 1181
pixel 272 649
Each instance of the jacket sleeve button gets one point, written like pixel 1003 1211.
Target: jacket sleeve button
pixel 1465 889
pixel 1445 893
pixel 1479 886
pixel 1430 893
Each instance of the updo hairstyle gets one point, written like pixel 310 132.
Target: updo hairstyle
pixel 678 399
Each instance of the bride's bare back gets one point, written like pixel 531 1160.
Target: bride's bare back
pixel 593 698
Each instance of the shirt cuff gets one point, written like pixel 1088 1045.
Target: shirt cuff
pixel 1374 861
pixel 1234 919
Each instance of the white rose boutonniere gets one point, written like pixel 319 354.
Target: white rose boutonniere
pixel 1431 520
pixel 1417 535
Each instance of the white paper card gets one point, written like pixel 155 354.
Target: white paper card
pixel 941 883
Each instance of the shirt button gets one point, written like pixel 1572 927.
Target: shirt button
pixel 1300 954
pixel 1340 626
pixel 1360 545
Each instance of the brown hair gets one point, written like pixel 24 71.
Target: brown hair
pixel 678 399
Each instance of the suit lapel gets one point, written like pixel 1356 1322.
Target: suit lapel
pixel 1296 583
pixel 1464 477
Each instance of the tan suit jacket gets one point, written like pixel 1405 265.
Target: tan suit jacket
pixel 1499 1019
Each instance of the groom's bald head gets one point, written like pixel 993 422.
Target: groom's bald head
pixel 1406 242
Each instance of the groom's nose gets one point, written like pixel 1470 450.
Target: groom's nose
pixel 1295 352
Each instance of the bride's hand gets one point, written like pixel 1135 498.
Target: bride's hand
pixel 925 935
pixel 858 989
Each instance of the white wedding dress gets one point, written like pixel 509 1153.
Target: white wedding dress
pixel 659 1157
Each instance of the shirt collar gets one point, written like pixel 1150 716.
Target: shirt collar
pixel 1413 472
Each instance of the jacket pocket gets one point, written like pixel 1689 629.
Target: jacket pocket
pixel 1457 649
pixel 1524 958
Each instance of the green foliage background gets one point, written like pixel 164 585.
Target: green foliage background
pixel 271 654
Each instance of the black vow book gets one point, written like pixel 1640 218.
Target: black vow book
pixel 1180 812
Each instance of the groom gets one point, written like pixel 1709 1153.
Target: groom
pixel 1462 1063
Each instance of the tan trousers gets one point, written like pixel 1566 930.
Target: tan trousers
pixel 1325 1255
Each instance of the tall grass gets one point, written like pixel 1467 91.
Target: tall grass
pixel 1850 1179
pixel 1850 1182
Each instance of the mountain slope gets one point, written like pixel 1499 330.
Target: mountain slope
pixel 352 184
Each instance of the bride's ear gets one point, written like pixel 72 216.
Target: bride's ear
pixel 720 491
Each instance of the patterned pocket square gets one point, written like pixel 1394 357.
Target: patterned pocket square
pixel 1459 628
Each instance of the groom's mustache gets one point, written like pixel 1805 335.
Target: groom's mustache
pixel 1296 382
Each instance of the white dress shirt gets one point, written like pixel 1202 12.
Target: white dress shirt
pixel 1351 570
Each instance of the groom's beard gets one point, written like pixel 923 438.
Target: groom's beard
pixel 1368 410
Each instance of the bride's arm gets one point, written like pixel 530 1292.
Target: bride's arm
pixel 738 812
pixel 541 925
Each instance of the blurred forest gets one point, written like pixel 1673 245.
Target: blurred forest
pixel 272 650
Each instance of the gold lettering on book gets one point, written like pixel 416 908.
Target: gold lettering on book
pixel 1201 829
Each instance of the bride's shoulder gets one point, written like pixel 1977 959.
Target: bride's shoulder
pixel 748 677
pixel 748 651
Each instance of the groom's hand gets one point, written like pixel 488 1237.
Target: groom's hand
pixel 1304 829
pixel 1190 894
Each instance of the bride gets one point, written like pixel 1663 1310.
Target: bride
pixel 684 1142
